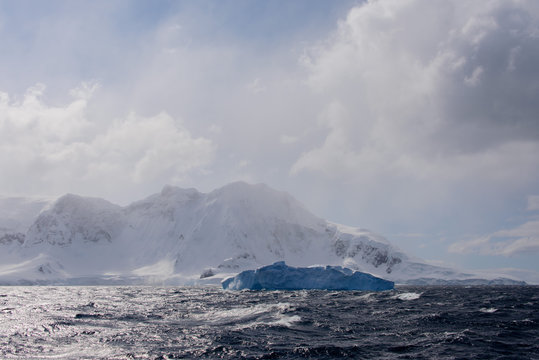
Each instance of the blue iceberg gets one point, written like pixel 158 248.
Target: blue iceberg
pixel 280 276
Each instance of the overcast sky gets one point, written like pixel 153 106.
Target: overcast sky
pixel 418 120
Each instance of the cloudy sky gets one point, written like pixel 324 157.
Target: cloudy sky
pixel 416 119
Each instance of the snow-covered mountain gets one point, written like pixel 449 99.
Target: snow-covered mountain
pixel 182 236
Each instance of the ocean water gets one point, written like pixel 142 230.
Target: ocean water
pixel 167 323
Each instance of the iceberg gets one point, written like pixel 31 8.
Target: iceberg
pixel 280 276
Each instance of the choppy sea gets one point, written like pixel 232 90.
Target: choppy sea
pixel 169 323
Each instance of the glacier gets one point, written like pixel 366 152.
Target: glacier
pixel 280 276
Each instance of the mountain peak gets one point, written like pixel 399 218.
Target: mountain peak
pixel 74 218
pixel 171 190
pixel 74 202
pixel 242 188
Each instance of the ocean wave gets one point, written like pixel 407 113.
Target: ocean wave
pixel 488 310
pixel 260 314
pixel 408 296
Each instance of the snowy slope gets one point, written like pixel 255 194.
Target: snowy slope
pixel 74 220
pixel 180 235
pixel 16 216
pixel 40 269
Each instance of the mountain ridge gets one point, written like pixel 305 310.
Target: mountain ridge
pixel 182 235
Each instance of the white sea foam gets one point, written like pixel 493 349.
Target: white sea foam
pixel 488 310
pixel 367 297
pixel 277 320
pixel 267 312
pixel 407 296
pixel 251 317
pixel 286 321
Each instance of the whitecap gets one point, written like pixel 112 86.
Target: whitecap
pixel 282 321
pixel 286 321
pixel 252 317
pixel 242 314
pixel 369 297
pixel 408 296
pixel 488 310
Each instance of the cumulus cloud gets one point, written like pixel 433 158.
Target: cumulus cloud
pixel 156 147
pixel 430 112
pixel 60 148
pixel 430 89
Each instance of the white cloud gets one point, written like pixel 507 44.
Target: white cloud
pixel 153 148
pixel 395 67
pixel 256 86
pixel 533 202
pixel 85 90
pixel 337 153
pixel 288 139
pixel 474 79
pixel 215 129
pixel 59 148
pixel 429 93
pixel 31 115
pixel 478 27
pixel 243 163
pixel 470 246
pixel 513 57
pixel 523 239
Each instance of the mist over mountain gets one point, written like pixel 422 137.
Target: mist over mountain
pixel 183 236
pixel 16 216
